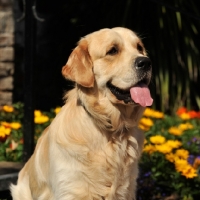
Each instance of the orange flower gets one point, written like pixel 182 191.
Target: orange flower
pixel 181 110
pixel 198 114
pixel 196 163
pixel 192 114
pixel 6 124
pixel 184 114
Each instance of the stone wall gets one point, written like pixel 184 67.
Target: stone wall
pixel 6 51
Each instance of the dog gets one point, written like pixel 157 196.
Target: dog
pixel 91 149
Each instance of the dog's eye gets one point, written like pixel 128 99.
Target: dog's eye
pixel 112 51
pixel 139 48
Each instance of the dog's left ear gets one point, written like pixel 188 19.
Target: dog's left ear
pixel 79 67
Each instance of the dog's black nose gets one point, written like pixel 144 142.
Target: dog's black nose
pixel 142 63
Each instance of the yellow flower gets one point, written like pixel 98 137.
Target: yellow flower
pixel 153 113
pixel 157 139
pixel 57 110
pixel 182 153
pixel 15 125
pixel 148 112
pixel 175 131
pixel 173 143
pixel 185 126
pixel 145 141
pixel 170 157
pixel 158 115
pixel 180 164
pixel 146 121
pixel 185 168
pixel 145 124
pixel 7 108
pixel 37 113
pixel 149 148
pixel 163 148
pixel 4 131
pixel 189 172
pixel 144 128
pixel 6 124
pixel 41 119
pixel 184 116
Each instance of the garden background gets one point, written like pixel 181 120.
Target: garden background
pixel 169 30
pixel 169 167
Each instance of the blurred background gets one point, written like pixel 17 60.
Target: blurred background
pixel 169 30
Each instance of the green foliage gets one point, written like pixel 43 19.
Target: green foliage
pixel 170 31
pixel 177 56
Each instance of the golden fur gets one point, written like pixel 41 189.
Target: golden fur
pixel 91 149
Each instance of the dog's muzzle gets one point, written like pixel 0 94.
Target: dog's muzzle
pixel 138 93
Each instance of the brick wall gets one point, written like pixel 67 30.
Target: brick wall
pixel 6 51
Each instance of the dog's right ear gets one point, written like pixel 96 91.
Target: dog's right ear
pixel 79 67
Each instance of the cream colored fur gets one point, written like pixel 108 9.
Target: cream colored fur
pixel 91 149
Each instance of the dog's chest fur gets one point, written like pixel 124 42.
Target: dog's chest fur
pixel 105 167
pixel 107 172
pixel 114 166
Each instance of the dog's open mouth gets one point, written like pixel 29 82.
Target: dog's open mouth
pixel 119 93
pixel 139 93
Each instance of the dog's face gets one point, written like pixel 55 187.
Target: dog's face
pixel 115 62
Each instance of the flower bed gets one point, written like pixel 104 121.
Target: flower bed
pixel 11 130
pixel 170 164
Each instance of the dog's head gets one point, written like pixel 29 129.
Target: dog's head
pixel 114 61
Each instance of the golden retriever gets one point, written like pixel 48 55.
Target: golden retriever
pixel 91 149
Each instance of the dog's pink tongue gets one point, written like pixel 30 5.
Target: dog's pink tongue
pixel 141 94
